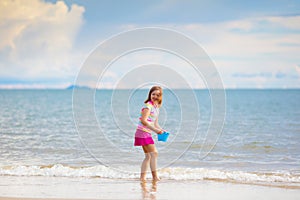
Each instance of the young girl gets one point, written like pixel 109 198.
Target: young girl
pixel 148 123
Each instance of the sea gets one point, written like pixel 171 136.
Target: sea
pixel 252 136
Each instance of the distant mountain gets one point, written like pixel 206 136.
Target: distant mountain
pixel 71 87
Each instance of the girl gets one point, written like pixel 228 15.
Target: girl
pixel 148 123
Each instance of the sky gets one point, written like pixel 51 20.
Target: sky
pixel 253 44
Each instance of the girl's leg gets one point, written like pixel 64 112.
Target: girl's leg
pixel 144 166
pixel 151 150
pixel 153 165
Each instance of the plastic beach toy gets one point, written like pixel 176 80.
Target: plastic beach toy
pixel 163 137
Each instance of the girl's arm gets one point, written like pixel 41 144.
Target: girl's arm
pixel 156 124
pixel 145 114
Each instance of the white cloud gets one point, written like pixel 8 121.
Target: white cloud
pixel 37 38
pixel 34 86
pixel 131 65
pixel 253 47
pixel 37 41
pixel 297 68
pixel 291 22
pixel 247 37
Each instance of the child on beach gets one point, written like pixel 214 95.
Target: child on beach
pixel 148 123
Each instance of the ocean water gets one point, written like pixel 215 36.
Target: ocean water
pixel 53 133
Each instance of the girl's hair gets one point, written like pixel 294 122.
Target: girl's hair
pixel 152 90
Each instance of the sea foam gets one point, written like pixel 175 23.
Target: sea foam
pixel 170 173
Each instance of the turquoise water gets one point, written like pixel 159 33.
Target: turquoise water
pixel 261 135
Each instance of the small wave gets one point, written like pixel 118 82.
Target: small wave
pixel 270 178
pixel 171 173
pixel 59 170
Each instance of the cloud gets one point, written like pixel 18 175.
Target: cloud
pixel 252 52
pixel 37 38
pixel 249 37
pixel 255 50
pixel 37 42
pixel 172 67
pixel 290 22
pixel 297 68
pixel 34 86
pixel 254 75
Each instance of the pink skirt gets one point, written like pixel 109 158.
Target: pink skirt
pixel 142 138
pixel 143 141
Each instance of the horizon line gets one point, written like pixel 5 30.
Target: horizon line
pixel 228 88
pixel 72 86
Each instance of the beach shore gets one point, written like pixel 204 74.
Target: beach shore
pixel 47 188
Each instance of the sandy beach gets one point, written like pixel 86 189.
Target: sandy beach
pixel 13 187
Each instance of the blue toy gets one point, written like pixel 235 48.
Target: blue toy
pixel 163 137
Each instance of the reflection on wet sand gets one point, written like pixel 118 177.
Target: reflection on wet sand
pixel 149 193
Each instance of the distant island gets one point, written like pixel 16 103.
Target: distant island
pixel 71 87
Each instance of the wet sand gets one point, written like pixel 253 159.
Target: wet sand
pixel 49 188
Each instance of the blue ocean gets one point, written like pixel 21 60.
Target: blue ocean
pixel 49 133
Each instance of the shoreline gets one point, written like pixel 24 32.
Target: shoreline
pixel 293 187
pixel 65 188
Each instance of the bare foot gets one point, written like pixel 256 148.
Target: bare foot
pixel 143 177
pixel 154 176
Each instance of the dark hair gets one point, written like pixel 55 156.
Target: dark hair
pixel 152 90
